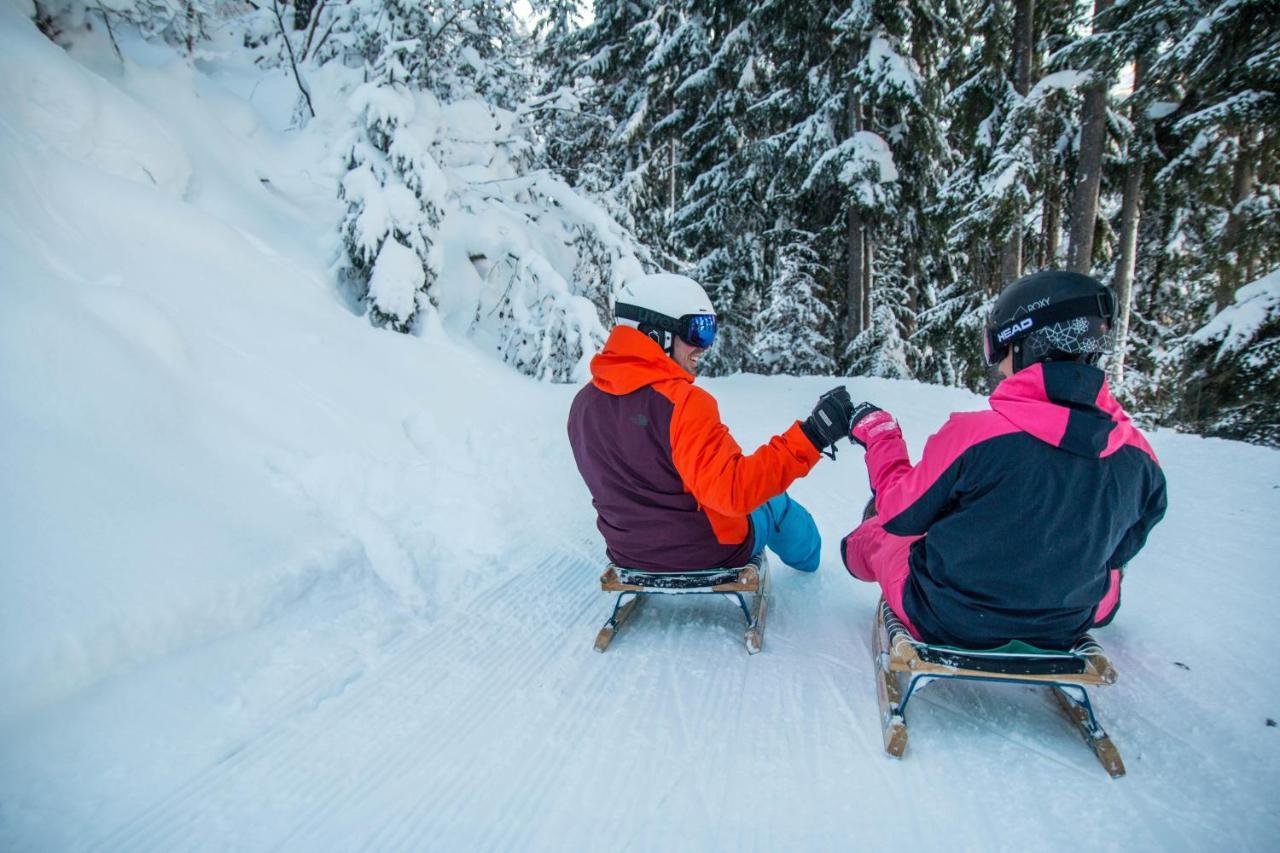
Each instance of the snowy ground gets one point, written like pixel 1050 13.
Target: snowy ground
pixel 272 579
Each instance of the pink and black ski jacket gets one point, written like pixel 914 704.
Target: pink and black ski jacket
pixel 1025 509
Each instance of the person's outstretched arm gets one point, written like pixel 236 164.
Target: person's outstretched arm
pixel 909 497
pixel 721 477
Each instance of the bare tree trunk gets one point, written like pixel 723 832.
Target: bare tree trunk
pixel 913 290
pixel 302 13
pixel 1093 137
pixel 1229 270
pixel 855 297
pixel 1023 44
pixel 868 263
pixel 297 76
pixel 671 179
pixel 1152 291
pixel 1130 212
pixel 1052 229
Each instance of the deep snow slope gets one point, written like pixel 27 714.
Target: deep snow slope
pixel 272 579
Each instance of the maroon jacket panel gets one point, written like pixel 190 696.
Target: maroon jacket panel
pixel 622 444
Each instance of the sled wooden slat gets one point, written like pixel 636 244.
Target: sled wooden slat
pixel 748 582
pixel 1101 745
pixel 610 630
pixel 755 629
pixel 896 656
pixel 889 695
pixel 1098 669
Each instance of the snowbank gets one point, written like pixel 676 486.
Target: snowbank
pixel 197 433
pixel 60 105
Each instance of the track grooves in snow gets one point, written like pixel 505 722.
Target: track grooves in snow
pixel 392 724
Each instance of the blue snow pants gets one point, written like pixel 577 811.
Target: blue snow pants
pixel 788 530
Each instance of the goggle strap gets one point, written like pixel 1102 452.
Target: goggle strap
pixel 646 317
pixel 1099 305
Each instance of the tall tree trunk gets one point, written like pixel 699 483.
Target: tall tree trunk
pixel 912 267
pixel 671 180
pixel 1051 177
pixel 1023 46
pixel 868 264
pixel 855 296
pixel 1158 223
pixel 1093 137
pixel 1232 265
pixel 302 13
pixel 1130 212
pixel 1052 229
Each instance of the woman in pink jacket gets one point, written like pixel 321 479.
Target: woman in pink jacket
pixel 1017 522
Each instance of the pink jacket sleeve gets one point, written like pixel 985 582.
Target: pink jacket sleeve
pixel 910 497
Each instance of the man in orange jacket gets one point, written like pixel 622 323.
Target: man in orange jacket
pixel 672 489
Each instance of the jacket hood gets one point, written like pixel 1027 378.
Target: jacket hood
pixel 1067 405
pixel 631 360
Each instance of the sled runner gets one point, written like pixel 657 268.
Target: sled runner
pixel 900 656
pixel 632 585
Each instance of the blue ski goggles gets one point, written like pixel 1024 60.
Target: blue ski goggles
pixel 696 330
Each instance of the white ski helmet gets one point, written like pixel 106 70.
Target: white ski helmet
pixel 664 305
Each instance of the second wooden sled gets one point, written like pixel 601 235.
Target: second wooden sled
pixel 633 585
pixel 1068 675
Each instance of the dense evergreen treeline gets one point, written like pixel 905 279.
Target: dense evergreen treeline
pixel 852 181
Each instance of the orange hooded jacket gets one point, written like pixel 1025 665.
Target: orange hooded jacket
pixel 671 487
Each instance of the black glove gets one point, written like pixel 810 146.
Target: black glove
pixel 830 421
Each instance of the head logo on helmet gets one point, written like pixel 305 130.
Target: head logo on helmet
pixel 664 306
pixel 1050 316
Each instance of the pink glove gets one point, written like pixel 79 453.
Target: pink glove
pixel 870 421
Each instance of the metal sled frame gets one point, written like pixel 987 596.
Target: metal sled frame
pixel 1067 674
pixel 632 585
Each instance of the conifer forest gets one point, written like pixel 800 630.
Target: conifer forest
pixel 852 182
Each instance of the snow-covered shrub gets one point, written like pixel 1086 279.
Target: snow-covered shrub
pixel 1232 368
pixel 180 22
pixel 394 192
pixel 548 259
pixel 448 211
pixel 543 331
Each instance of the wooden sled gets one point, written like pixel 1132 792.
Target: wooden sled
pixel 1068 675
pixel 633 585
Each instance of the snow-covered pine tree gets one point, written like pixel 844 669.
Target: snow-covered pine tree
pixel 794 327
pixel 1232 369
pixel 1129 34
pixel 986 197
pixel 720 220
pixel 1214 93
pixel 1010 125
pixel 393 189
pixel 893 45
pixel 612 120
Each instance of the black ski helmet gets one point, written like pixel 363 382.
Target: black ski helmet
pixel 1051 316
